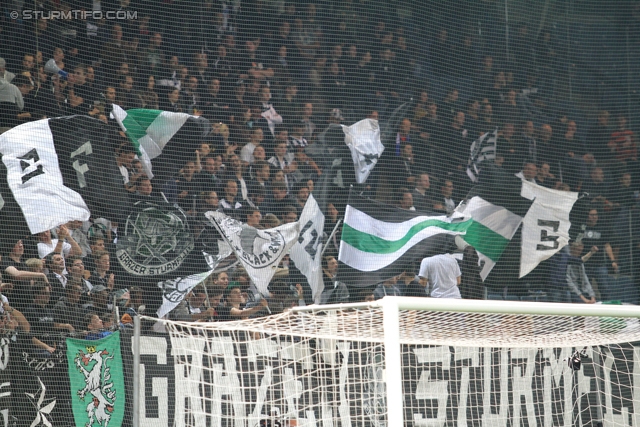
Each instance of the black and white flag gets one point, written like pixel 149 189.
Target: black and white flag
pixel 307 250
pixel 363 140
pixel 58 170
pixel 545 229
pixel 174 290
pixel 482 149
pixel 259 251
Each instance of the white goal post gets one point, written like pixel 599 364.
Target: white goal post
pixel 403 362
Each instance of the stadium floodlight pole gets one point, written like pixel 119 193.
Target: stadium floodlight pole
pixel 331 236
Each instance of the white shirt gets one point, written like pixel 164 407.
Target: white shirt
pixel 442 272
pixel 45 249
pixel 246 154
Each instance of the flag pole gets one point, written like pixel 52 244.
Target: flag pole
pixel 331 236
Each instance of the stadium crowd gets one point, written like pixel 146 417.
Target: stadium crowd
pixel 269 90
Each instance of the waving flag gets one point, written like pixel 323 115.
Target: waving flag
pixel 305 252
pixel 363 139
pixel 545 229
pixel 162 139
pixel 58 170
pixel 380 241
pixel 483 149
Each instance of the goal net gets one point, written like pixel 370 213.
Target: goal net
pixel 411 362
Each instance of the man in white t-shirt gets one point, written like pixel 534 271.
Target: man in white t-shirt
pixel 443 275
pixel 46 245
pixel 246 154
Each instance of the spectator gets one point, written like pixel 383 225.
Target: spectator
pixel 58 275
pixel 623 143
pixel 64 244
pixel 144 188
pixel 471 286
pixel 191 307
pixel 261 175
pixel 309 125
pixel 102 275
pixel 284 161
pixel 214 107
pixel 99 302
pixel 209 201
pixel 77 273
pixel 147 97
pixel 279 200
pixel 422 194
pixel 529 171
pixel 14 269
pixel 387 288
pixel 335 292
pixel 246 154
pixel 234 299
pixel 445 203
pixel 595 233
pixel 44 325
pixel 171 101
pixel 289 214
pixel 128 98
pixel 12 320
pixel 544 177
pixel 404 199
pixel 5 75
pixel 577 279
pixel 598 139
pixel 252 217
pixel 190 95
pixel 301 192
pixel 11 103
pixel 229 203
pixel 411 285
pixel 207 179
pixel 187 187
pixel 68 308
pixel 95 327
pixel 443 276
pixel 597 189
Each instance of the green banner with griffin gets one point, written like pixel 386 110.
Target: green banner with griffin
pixel 97 381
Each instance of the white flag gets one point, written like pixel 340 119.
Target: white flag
pixel 363 139
pixel 36 180
pixel 174 290
pixel 259 251
pixel 482 149
pixel 545 229
pixel 306 251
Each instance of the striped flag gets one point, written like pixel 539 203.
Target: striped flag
pixel 497 225
pixel 162 139
pixel 379 241
pixel 482 149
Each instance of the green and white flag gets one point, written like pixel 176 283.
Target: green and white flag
pixel 380 241
pixel 97 381
pixel 152 132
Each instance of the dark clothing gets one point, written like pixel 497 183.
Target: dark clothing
pixel 207 181
pixel 42 319
pixel 73 314
pixel 422 203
